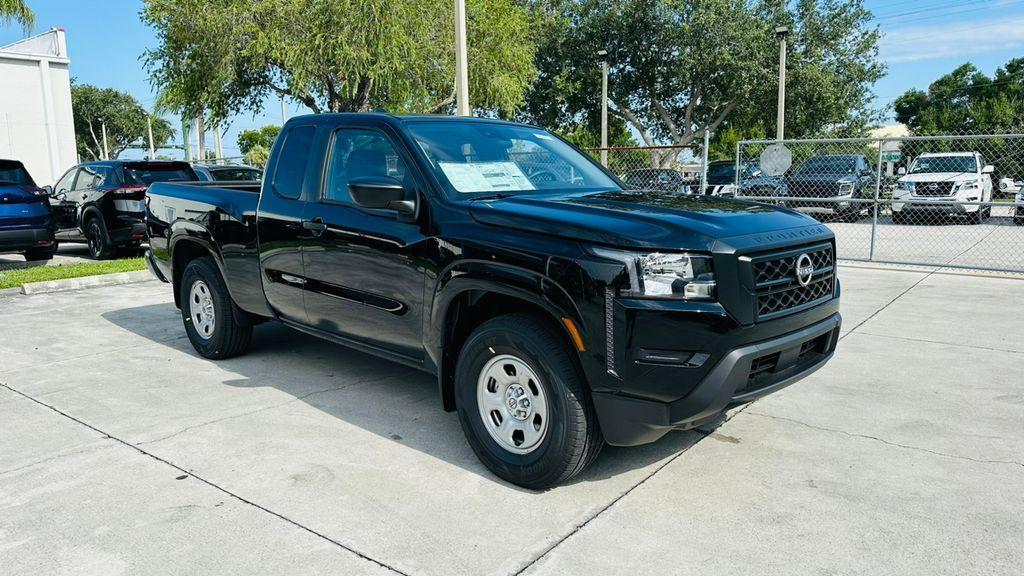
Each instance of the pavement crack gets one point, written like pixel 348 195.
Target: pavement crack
pixel 211 484
pixel 575 529
pixel 887 442
pixel 887 304
pixel 957 344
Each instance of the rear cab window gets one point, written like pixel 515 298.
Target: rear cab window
pixel 290 170
pixel 146 173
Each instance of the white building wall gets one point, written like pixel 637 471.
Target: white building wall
pixel 34 128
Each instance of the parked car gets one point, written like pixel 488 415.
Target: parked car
pixel 102 203
pixel 227 173
pixel 664 179
pixel 941 184
pixel 835 180
pixel 26 221
pixel 721 179
pixel 1009 187
pixel 556 314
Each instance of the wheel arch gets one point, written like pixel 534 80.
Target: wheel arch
pixel 470 298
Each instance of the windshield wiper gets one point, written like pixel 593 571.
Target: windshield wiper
pixel 498 196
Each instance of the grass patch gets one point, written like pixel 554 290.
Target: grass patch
pixel 15 278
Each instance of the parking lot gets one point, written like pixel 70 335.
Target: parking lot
pixel 125 453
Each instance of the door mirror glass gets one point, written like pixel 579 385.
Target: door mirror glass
pixel 988 169
pixel 380 193
pixel 48 189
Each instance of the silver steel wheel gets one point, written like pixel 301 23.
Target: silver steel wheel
pixel 204 317
pixel 512 404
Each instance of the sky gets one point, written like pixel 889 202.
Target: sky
pixel 922 39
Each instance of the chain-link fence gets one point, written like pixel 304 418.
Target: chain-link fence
pixel 673 169
pixel 952 201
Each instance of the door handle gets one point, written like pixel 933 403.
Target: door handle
pixel 315 225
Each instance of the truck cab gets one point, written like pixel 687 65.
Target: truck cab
pixel 559 309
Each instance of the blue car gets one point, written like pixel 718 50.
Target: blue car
pixel 26 221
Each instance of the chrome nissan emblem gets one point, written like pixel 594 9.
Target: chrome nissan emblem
pixel 804 269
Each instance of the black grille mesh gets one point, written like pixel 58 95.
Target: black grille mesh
pixel 776 287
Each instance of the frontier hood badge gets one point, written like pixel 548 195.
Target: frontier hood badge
pixel 804 269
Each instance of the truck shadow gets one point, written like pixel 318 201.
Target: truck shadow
pixel 389 400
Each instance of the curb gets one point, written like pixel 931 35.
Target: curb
pixel 68 284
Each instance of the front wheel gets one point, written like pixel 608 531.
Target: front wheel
pixel 523 404
pixel 206 310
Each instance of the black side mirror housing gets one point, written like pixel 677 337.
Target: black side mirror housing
pixel 380 193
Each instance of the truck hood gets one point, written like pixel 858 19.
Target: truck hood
pixel 638 219
pixel 939 177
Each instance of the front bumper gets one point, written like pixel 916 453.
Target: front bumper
pixel 742 374
pixel 941 206
pixel 20 239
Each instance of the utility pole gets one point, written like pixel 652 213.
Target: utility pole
pixel 200 138
pixel 284 114
pixel 780 123
pixel 461 70
pixel 218 150
pixel 149 127
pixel 103 127
pixel 603 55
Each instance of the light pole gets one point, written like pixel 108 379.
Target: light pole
pixel 603 55
pixel 780 122
pixel 461 70
pixel 103 128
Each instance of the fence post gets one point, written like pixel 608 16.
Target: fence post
pixel 704 163
pixel 874 205
pixel 737 175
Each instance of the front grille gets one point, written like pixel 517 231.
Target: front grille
pixel 813 189
pixel 933 188
pixel 777 288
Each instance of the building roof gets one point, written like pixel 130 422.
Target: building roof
pixel 50 45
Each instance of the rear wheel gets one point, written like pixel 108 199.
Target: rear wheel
pixel 523 404
pixel 100 247
pixel 40 254
pixel 900 218
pixel 208 314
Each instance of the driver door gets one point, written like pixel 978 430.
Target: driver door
pixel 64 209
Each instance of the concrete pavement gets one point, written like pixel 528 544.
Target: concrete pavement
pixel 123 452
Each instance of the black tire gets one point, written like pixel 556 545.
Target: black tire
pixel 900 218
pixel 40 254
pixel 96 237
pixel 572 438
pixel 227 337
pixel 976 217
pixel 850 217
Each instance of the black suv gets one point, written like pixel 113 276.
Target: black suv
pixel 103 203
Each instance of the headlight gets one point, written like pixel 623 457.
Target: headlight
pixel 969 185
pixel 665 275
pixel 904 188
pixel 845 188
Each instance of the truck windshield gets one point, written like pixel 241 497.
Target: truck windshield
pixel 14 173
pixel 936 164
pixel 827 165
pixel 483 158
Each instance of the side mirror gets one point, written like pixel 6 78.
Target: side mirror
pixel 380 193
pixel 48 189
pixel 988 169
pixel 902 171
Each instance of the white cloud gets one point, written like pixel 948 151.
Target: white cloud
pixel 918 43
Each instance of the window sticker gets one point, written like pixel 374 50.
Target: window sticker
pixel 486 176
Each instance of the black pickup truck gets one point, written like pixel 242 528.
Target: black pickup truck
pixel 558 309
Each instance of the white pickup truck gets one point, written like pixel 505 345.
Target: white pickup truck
pixel 942 184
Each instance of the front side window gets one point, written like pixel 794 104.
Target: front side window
pixel 477 158
pixel 359 153
pixel 66 181
pixel 292 162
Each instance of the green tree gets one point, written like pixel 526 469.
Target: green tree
pixel 967 101
pixel 224 56
pixel 263 137
pixel 257 155
pixel 18 11
pixel 124 117
pixel 681 67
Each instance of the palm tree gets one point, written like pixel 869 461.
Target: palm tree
pixel 18 11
